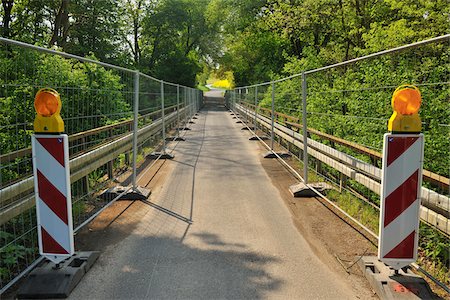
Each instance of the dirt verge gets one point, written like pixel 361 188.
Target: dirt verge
pixel 329 237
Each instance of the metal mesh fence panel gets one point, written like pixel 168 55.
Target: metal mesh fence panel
pixel 98 109
pixel 347 109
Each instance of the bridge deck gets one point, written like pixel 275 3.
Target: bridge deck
pixel 241 243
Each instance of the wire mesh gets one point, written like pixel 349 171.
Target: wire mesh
pixel 348 106
pixel 353 103
pixel 98 111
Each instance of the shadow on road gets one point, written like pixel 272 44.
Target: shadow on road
pixel 168 269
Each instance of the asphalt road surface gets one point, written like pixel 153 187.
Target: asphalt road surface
pixel 241 244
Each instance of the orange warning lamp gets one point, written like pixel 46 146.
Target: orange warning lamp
pixel 406 102
pixel 47 104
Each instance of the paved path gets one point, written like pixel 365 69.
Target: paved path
pixel 241 244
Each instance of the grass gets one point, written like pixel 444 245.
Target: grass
pixel 359 210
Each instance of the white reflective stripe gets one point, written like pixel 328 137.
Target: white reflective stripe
pixel 50 168
pixel 55 227
pixel 400 228
pixel 403 167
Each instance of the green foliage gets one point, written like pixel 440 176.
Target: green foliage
pixel 95 26
pixel 355 207
pixel 434 249
pixel 24 72
pixel 11 256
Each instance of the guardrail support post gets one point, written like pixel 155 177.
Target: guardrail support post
pixel 305 130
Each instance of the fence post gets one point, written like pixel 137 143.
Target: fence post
pixel 233 100
pixel 185 106
pixel 135 127
pixel 305 130
pixel 178 110
pixel 163 118
pixel 256 106
pixel 190 104
pixel 240 99
pixel 273 117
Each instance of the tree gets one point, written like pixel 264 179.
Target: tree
pixel 95 29
pixel 7 18
pixel 61 26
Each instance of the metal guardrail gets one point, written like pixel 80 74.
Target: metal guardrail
pixel 80 167
pixel 8 157
pixel 433 203
pixel 293 122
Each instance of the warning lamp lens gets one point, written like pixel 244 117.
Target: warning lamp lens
pixel 407 101
pixel 46 103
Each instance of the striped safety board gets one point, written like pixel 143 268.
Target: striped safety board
pixel 400 199
pixel 53 196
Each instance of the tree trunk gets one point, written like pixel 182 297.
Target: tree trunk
pixel 136 51
pixel 7 7
pixel 60 32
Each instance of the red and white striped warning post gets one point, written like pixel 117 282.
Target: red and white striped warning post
pixel 400 199
pixel 53 196
pixel 50 151
pixel 401 181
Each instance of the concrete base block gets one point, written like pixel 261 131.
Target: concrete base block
pixel 139 193
pixel 51 281
pixel 239 122
pixel 301 190
pixel 175 139
pixel 389 285
pixel 248 128
pixel 184 128
pixel 255 138
pixel 271 154
pixel 160 155
pixel 191 122
pixel 234 118
pixel 195 118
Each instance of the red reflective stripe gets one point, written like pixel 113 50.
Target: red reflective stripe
pixel 397 146
pixel 49 245
pixel 56 201
pixel 55 147
pixel 405 249
pixel 400 199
